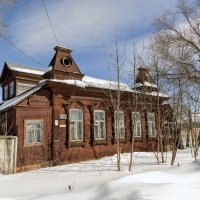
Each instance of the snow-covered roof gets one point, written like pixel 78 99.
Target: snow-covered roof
pixel 25 69
pixel 106 84
pixel 89 81
pixel 157 94
pixel 21 97
pixel 146 84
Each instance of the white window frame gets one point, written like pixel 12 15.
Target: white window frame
pixel 121 125
pixel 34 139
pixel 11 88
pixel 137 124
pixel 151 124
pixel 74 122
pixel 168 132
pixel 97 122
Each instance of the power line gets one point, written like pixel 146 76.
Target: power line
pixel 50 22
pixel 25 54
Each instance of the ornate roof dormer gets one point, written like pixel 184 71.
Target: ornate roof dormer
pixel 63 66
pixel 144 81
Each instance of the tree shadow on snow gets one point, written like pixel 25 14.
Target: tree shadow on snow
pixel 105 193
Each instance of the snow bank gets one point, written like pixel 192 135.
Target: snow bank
pixel 99 179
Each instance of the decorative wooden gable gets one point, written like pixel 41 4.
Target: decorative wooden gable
pixel 6 75
pixel 64 66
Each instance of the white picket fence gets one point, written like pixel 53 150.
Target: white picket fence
pixel 8 154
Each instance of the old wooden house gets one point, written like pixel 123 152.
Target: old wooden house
pixel 60 115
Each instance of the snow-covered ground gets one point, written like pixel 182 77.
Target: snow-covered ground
pixel 100 180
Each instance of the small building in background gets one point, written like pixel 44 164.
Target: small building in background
pixel 190 131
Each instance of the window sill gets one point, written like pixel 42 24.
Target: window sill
pixel 122 140
pixel 100 142
pixel 152 137
pixel 76 143
pixel 33 144
pixel 138 137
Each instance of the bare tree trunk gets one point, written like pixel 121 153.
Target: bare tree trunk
pixel 177 133
pixel 134 105
pixel 116 103
pixel 159 131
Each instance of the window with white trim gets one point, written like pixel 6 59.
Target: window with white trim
pixel 119 124
pixel 151 124
pixel 34 131
pixel 76 125
pixel 11 88
pixel 99 125
pixel 168 128
pixel 136 121
pixel 5 92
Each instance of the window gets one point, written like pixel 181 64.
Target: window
pixel 119 124
pixel 33 129
pixel 168 128
pixel 99 125
pixel 5 91
pixel 76 125
pixel 136 120
pixel 151 124
pixel 11 88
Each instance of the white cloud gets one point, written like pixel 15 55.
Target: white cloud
pixel 82 23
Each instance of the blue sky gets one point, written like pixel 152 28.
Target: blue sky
pixel 85 26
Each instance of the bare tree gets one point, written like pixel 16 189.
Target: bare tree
pixel 177 46
pixel 178 42
pixel 177 123
pixel 193 129
pixel 3 4
pixel 115 95
pixel 134 106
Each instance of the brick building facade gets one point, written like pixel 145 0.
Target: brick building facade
pixel 61 115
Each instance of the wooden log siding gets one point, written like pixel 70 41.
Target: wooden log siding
pixel 51 99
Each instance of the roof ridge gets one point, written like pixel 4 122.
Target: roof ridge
pixel 29 67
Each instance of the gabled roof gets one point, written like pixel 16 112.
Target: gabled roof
pixel 25 69
pixel 14 101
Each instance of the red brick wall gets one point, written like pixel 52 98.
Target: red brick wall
pixel 43 106
pixel 36 107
